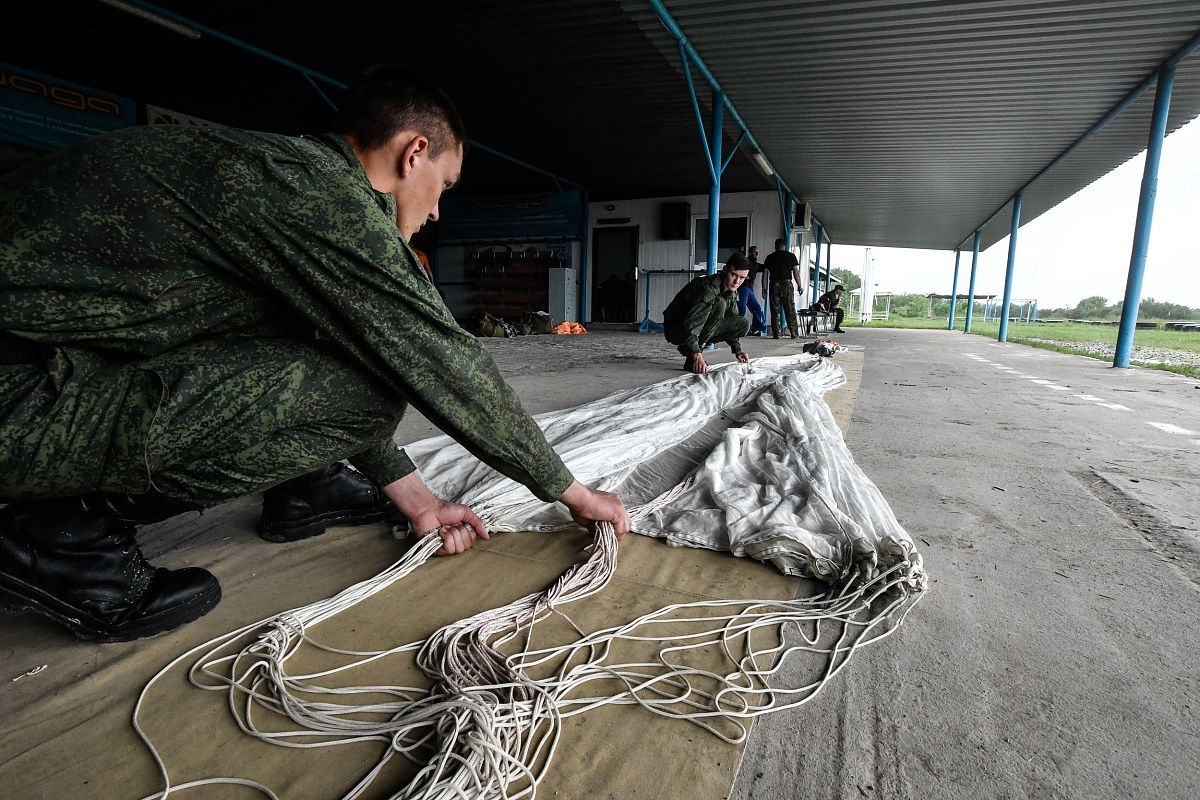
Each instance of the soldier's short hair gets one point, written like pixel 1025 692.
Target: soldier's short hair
pixel 387 99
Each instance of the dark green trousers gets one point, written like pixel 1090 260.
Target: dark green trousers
pixel 204 423
pixel 717 328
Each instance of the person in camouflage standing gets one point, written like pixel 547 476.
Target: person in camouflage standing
pixel 192 315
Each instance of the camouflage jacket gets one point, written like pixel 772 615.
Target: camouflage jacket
pixel 134 243
pixel 700 299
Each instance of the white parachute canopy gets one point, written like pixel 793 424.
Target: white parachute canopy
pixel 768 475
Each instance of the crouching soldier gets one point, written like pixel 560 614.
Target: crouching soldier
pixel 706 311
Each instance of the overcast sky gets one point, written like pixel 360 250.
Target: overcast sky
pixel 1079 248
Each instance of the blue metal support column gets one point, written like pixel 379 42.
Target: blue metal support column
pixel 714 192
pixel 1012 263
pixel 816 281
pixel 688 57
pixel 1145 216
pixel 953 291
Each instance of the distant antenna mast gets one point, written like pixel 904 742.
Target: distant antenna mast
pixel 867 301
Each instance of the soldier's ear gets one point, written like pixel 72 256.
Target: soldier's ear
pixel 411 148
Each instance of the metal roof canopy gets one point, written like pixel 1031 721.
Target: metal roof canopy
pixel 904 124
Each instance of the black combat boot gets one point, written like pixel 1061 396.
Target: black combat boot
pixel 305 506
pixel 83 568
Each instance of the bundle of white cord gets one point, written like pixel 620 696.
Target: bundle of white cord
pixel 487 728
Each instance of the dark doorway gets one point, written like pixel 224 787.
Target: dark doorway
pixel 614 273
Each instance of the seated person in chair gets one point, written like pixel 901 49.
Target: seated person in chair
pixel 828 304
pixel 705 311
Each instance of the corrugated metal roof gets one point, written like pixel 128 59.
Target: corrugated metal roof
pixel 903 123
pixel 908 123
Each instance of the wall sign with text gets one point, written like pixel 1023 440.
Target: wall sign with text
pixel 37 110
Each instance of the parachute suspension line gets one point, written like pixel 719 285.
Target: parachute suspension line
pixel 487 727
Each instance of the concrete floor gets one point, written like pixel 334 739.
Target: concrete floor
pixel 1055 502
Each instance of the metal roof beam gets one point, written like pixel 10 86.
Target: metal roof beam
pixel 312 76
pixel 688 53
pixel 1169 65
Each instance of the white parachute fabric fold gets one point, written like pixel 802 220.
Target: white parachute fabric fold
pixel 767 472
pixel 603 441
pixel 781 486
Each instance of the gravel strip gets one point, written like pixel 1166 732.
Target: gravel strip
pixel 1149 355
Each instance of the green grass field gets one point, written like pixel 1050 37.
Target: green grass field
pixel 1023 333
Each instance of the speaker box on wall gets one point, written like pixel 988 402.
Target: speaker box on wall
pixel 673 220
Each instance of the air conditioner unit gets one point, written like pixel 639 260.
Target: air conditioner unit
pixel 802 216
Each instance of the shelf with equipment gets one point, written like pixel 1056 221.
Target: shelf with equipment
pixel 509 281
pixel 512 253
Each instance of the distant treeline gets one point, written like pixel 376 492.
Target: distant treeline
pixel 1095 307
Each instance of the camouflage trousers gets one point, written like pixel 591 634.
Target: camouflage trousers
pixel 783 297
pixel 204 423
pixel 717 328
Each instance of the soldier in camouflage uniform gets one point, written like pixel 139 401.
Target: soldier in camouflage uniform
pixel 705 311
pixel 192 315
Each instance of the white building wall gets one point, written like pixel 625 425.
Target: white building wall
pixel 762 209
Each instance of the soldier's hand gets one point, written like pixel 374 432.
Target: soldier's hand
pixel 428 514
pixel 457 524
pixel 699 365
pixel 589 506
pixel 742 357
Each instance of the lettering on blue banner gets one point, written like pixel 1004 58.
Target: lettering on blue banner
pixel 45 112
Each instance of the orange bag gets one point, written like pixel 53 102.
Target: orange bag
pixel 569 327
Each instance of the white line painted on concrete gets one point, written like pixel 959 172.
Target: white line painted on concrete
pixel 1115 406
pixel 1059 388
pixel 1090 397
pixel 1042 381
pixel 1168 428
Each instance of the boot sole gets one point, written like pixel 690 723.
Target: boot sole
pixel 18 596
pixel 295 530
